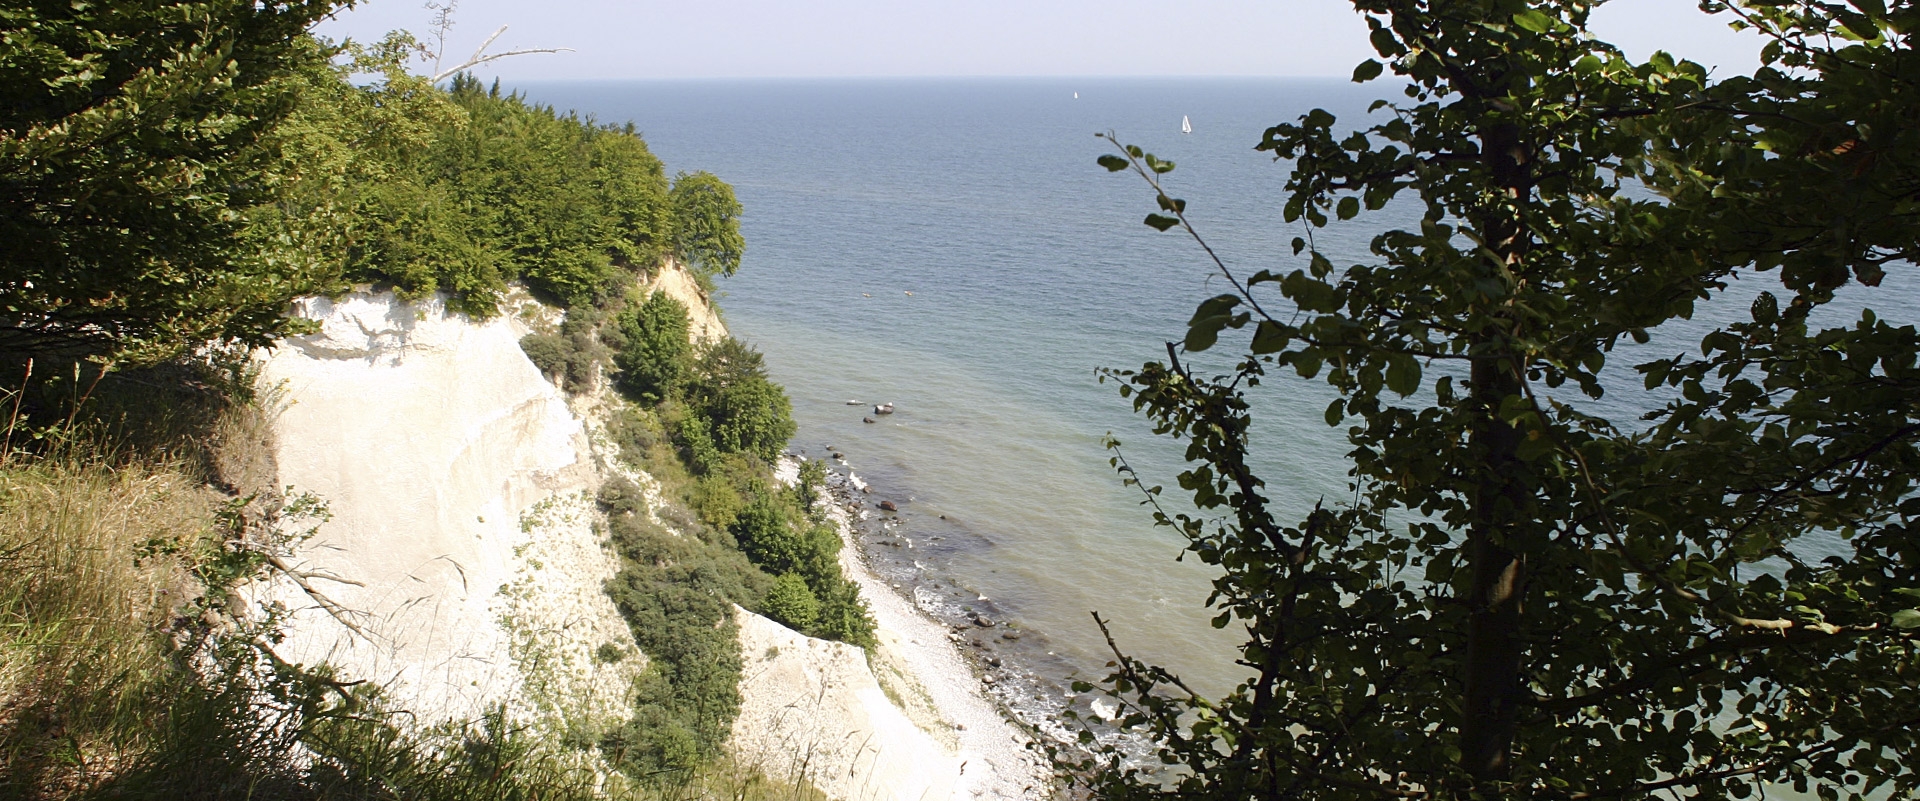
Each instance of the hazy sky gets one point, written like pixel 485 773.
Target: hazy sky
pixel 627 39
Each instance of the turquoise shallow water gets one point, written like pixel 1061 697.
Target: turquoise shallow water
pixel 950 246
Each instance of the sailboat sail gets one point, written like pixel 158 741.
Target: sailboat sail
pixel 1186 125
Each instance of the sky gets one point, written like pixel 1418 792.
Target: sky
pixel 650 39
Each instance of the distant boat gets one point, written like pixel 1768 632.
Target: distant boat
pixel 1186 125
pixel 1076 95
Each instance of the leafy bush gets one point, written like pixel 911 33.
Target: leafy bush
pixel 748 413
pixel 792 602
pixel 139 152
pixel 675 593
pixel 656 352
pixel 776 534
pixel 843 613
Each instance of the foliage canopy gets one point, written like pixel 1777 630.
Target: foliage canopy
pixel 707 224
pixel 1525 597
pixel 134 153
pixel 177 172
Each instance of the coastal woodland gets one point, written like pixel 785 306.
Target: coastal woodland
pixel 173 174
pixel 1524 596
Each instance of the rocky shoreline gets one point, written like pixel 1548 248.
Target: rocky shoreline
pixel 1000 682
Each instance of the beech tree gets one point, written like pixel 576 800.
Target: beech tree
pixel 131 158
pixel 706 224
pixel 1524 597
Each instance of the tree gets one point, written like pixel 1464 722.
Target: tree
pixel 706 224
pixel 750 414
pixel 130 142
pixel 657 354
pixel 1525 599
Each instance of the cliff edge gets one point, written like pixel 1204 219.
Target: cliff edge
pixel 462 567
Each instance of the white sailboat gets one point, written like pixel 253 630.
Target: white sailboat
pixel 1186 125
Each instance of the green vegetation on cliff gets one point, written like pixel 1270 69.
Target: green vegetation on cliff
pixel 177 172
pixel 705 423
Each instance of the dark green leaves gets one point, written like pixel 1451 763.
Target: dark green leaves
pixel 1270 337
pixel 1215 314
pixel 1403 374
pixel 1569 201
pixel 1161 222
pixel 147 159
pixel 1112 162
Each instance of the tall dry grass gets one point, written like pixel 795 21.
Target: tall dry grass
pixel 90 584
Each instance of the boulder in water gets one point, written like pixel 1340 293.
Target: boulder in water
pixel 889 506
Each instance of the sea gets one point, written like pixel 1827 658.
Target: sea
pixel 950 247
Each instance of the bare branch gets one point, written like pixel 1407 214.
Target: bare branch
pixel 480 56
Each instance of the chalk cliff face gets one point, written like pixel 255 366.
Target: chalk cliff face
pixel 460 559
pixel 461 567
pixel 680 285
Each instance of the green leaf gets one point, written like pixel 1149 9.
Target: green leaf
pixel 1270 337
pixel 1859 25
pixel 1367 71
pixel 1309 294
pixel 1113 163
pixel 1161 222
pixel 1403 375
pixel 1204 327
pixel 1534 20
pixel 1906 619
pixel 1384 42
pixel 1307 364
pixel 1348 208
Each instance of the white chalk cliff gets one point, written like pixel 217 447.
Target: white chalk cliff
pixel 461 567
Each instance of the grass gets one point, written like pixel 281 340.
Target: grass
pixel 87 625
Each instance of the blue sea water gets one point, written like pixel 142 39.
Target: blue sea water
pixel 951 247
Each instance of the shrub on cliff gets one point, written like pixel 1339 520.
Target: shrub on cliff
pixel 777 535
pixel 675 591
pixel 748 412
pixel 792 602
pixel 656 352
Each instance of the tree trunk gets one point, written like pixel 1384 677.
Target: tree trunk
pixel 1501 518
